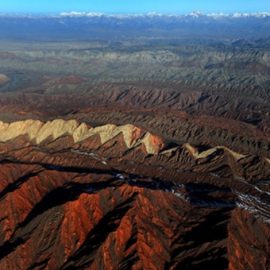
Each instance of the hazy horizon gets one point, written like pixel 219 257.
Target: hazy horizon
pixel 127 7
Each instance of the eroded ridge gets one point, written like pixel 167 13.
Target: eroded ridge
pixel 81 197
pixel 39 132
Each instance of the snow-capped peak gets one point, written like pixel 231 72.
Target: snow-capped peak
pixel 195 14
pixel 81 14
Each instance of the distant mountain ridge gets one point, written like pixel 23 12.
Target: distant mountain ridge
pixel 93 26
pixel 194 14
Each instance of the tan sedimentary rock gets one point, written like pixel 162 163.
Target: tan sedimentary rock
pixel 56 129
pixel 39 132
pixel 133 136
pixel 15 129
pixel 194 152
pixel 152 143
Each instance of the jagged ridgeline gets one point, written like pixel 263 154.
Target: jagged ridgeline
pixel 119 190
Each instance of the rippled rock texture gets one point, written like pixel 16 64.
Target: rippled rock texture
pixel 119 197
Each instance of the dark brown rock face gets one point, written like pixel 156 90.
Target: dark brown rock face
pixel 249 241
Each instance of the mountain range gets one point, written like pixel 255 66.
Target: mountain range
pixel 89 25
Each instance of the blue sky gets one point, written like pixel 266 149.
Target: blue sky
pixel 134 6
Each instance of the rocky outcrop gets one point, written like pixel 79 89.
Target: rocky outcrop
pixel 38 132
pixel 204 154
